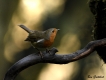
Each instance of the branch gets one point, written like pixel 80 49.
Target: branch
pixel 34 58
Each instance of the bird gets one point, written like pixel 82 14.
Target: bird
pixel 40 39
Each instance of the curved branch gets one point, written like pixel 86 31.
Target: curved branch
pixel 33 59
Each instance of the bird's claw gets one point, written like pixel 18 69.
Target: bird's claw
pixel 48 51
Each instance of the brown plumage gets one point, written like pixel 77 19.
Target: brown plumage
pixel 41 39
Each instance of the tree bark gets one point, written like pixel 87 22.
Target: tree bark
pixel 98 8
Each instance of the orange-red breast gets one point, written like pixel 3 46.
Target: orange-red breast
pixel 41 39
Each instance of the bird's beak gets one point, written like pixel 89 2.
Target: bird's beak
pixel 58 29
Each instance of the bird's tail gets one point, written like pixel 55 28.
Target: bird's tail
pixel 25 28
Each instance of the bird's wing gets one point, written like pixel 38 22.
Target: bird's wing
pixel 37 40
pixel 40 41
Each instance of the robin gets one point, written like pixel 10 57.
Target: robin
pixel 41 39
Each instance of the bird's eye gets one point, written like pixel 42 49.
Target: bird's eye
pixel 53 31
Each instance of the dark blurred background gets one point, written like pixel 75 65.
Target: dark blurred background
pixel 72 17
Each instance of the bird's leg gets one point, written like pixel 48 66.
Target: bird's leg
pixel 33 45
pixel 47 50
pixel 38 50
